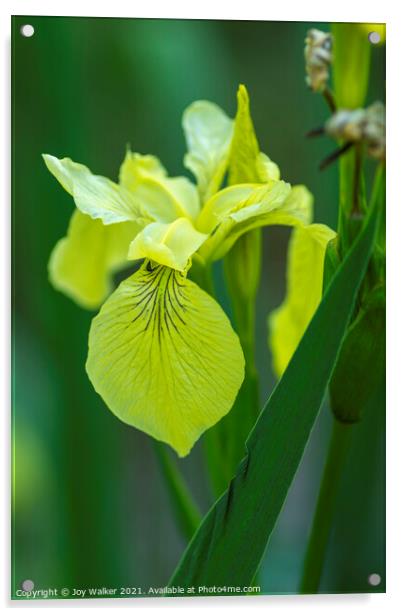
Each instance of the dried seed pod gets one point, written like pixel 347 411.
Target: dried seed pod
pixel 360 125
pixel 375 130
pixel 318 56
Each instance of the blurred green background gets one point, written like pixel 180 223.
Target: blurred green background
pixel 90 506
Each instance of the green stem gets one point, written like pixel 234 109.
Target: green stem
pixel 321 527
pixel 378 198
pixel 242 272
pixel 214 446
pixel 244 310
pixel 351 69
pixel 352 198
pixel 357 181
pixel 350 77
pixel 186 512
pixel 376 270
pixel 216 461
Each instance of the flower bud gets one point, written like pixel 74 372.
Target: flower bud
pixel 318 55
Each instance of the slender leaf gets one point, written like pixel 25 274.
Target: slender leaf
pixel 230 543
pixel 360 366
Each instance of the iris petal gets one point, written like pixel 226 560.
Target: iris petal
pixel 244 151
pixel 208 132
pixel 288 323
pixel 241 208
pixel 93 194
pixel 162 197
pixel 168 244
pixel 164 357
pixel 82 263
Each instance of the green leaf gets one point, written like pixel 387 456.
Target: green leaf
pixel 351 68
pixel 331 261
pixel 230 543
pixel 361 363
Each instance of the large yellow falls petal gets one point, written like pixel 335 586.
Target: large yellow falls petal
pixel 82 263
pixel 164 357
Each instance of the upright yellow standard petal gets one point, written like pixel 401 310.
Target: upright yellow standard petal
pixel 93 194
pixel 168 244
pixel 244 151
pixel 135 167
pixel 164 357
pixel 162 197
pixel 82 263
pixel 247 164
pixel 266 168
pixel 288 323
pixel 208 132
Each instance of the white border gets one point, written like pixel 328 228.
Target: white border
pixel 308 10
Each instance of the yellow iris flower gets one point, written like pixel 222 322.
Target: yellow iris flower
pixel 162 353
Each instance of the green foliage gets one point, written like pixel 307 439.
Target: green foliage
pixel 361 364
pixel 230 543
pixel 111 469
pixel 352 52
pixel 186 512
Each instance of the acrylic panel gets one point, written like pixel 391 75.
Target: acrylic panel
pixel 198 308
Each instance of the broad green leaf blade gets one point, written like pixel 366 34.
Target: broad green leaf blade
pixel 360 367
pixel 230 543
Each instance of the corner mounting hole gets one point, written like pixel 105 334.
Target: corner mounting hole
pixel 374 579
pixel 28 585
pixel 27 30
pixel 374 38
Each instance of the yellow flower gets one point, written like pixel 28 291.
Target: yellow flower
pixel 162 353
pixel 288 323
